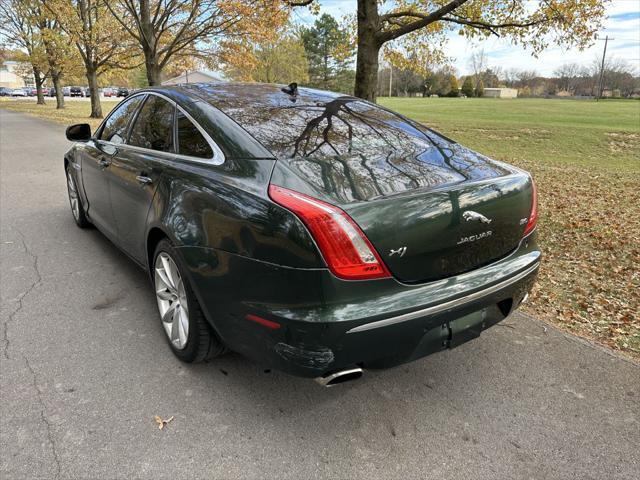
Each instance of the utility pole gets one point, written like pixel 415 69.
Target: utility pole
pixel 601 81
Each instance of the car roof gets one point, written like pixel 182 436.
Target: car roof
pixel 244 95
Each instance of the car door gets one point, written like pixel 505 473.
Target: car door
pixel 96 158
pixel 136 171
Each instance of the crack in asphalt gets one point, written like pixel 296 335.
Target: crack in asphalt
pixel 7 342
pixel 44 418
pixel 21 297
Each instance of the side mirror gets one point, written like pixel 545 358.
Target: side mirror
pixel 80 132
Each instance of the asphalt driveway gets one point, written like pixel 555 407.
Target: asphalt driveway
pixel 84 369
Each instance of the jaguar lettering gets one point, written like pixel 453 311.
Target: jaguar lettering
pixel 473 238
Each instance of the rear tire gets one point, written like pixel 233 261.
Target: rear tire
pixel 189 335
pixel 75 202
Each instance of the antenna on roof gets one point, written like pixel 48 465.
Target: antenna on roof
pixel 291 89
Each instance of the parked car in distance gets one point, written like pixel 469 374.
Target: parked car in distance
pixel 5 91
pixel 315 232
pixel 108 92
pixel 66 91
pixel 19 92
pixel 122 92
pixel 76 91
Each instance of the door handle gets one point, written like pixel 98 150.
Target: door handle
pixel 104 163
pixel 144 180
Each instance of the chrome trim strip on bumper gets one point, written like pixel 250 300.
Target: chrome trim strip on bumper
pixel 446 305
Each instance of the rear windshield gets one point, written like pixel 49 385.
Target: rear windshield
pixel 317 123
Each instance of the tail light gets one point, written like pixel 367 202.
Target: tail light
pixel 345 248
pixel 533 216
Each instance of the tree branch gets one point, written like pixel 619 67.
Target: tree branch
pixel 425 19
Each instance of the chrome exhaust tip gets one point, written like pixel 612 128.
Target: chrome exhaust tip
pixel 525 298
pixel 340 377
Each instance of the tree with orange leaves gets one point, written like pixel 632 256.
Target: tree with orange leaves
pixel 166 29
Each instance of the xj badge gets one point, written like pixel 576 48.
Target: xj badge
pixel 400 252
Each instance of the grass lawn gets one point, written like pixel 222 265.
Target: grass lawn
pixel 75 111
pixel 585 157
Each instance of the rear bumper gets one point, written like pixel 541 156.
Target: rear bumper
pixel 328 324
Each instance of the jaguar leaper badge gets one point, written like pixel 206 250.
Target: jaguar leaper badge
pixel 471 216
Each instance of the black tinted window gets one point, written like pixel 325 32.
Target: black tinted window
pixel 317 123
pixel 154 126
pixel 115 128
pixel 190 140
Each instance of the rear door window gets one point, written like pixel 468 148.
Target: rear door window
pixel 153 127
pixel 190 141
pixel 115 128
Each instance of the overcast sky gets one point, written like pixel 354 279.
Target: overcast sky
pixel 623 24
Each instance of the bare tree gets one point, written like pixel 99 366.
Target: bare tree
pixel 478 63
pixel 510 76
pixel 617 75
pixel 567 75
pixel 525 77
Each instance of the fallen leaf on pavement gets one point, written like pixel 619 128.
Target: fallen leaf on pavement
pixel 161 423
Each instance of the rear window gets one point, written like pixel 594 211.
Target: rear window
pixel 333 126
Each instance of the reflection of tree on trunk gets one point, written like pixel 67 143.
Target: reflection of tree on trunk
pixel 363 162
pixel 413 180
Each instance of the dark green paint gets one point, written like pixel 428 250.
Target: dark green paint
pixel 246 254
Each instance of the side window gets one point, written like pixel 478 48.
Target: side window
pixel 153 127
pixel 115 128
pixel 190 140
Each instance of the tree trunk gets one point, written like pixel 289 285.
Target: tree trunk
pixel 37 75
pixel 154 72
pixel 151 60
pixel 96 107
pixel 55 77
pixel 368 50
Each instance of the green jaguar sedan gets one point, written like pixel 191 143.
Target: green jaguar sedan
pixel 314 232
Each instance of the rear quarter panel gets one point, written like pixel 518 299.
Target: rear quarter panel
pixel 227 208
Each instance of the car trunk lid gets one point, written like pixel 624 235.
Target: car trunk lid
pixel 445 213
pixel 432 234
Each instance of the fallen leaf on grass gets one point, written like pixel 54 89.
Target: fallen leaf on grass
pixel 161 423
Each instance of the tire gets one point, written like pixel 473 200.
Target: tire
pixel 77 210
pixel 201 343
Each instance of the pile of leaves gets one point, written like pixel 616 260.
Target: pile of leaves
pixel 588 230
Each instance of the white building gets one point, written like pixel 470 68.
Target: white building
pixel 500 92
pixel 195 77
pixel 9 77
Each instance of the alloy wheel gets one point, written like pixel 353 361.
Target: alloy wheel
pixel 172 300
pixel 73 196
